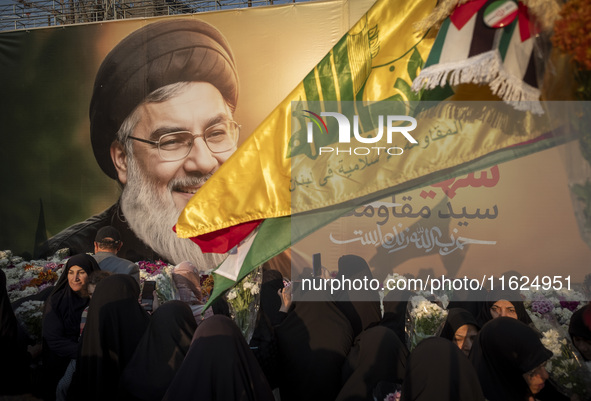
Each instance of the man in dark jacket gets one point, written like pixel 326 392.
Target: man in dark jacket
pixel 106 246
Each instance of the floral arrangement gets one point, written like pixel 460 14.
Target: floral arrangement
pixel 565 367
pixel 206 281
pixel 426 320
pixel 30 314
pixel 395 396
pixel 545 307
pixel 572 35
pixel 161 273
pixel 243 300
pixel 572 31
pixel 551 312
pixel 151 268
pixel 25 278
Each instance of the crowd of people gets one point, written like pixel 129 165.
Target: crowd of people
pixel 100 343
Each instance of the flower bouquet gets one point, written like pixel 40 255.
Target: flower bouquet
pixel 161 273
pixel 387 391
pixel 551 312
pixel 549 307
pixel 243 300
pixel 393 396
pixel 565 367
pixel 572 36
pixel 30 314
pixel 206 281
pixel 426 320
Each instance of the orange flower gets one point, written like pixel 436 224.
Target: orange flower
pixel 44 277
pixel 572 32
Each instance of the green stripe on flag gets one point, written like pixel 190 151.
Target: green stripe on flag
pixel 435 53
pixel 273 237
pixel 506 36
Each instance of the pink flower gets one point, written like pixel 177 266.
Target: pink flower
pixel 393 396
pixel 570 305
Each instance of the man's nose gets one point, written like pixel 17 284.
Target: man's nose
pixel 200 158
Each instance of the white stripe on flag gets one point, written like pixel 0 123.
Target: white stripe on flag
pixel 518 55
pixel 230 268
pixel 457 42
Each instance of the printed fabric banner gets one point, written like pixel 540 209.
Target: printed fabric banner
pixel 50 175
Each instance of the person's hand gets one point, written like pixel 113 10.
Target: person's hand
pixel 285 295
pixel 156 302
pixel 35 350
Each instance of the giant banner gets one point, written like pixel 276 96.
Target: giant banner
pixel 50 177
pixel 51 180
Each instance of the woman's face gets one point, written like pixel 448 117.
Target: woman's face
pixel 535 378
pixel 503 308
pixel 77 278
pixel 464 337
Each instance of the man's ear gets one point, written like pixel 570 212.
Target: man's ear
pixel 119 158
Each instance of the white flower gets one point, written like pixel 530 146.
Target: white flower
pixel 444 301
pixel 232 294
pixel 17 259
pixel 14 295
pixel 255 289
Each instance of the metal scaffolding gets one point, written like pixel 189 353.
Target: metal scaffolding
pixel 23 14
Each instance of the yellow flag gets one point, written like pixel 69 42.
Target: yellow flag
pixel 376 60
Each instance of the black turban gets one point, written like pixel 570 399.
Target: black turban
pixel 154 56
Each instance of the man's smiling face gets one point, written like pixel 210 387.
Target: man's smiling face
pixel 199 106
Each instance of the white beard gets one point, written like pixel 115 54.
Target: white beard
pixel 151 214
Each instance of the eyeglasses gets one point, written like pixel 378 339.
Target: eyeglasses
pixel 218 138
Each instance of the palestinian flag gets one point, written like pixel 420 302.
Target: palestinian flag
pixel 486 42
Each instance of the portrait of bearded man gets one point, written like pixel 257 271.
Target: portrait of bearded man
pixel 161 123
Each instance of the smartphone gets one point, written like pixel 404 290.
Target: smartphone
pixel 148 295
pixel 316 265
